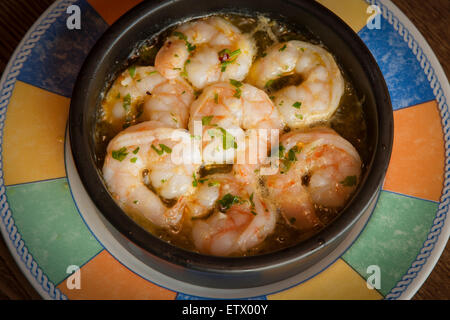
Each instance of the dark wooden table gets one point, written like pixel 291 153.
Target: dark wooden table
pixel 430 17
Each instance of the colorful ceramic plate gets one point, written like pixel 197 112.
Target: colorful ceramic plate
pixel 50 224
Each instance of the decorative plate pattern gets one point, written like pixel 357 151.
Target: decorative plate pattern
pixel 49 224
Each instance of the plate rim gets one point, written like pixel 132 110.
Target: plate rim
pixel 411 281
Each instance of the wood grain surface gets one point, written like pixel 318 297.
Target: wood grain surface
pixel 430 17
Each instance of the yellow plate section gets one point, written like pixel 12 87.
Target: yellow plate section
pixel 353 12
pixel 338 282
pixel 33 140
pixel 418 154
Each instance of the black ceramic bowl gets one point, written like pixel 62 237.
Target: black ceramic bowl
pixel 148 19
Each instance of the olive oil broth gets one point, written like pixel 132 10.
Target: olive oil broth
pixel 348 121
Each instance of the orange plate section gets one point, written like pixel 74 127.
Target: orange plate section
pixel 111 10
pixel 417 162
pixel 104 278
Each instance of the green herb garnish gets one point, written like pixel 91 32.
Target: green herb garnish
pixel 251 201
pixel 132 71
pixel 228 201
pixel 133 160
pixel 182 36
pixel 127 102
pixel 268 83
pixel 184 73
pixel 282 48
pixel 213 183
pixel 228 140
pixel 195 182
pixel 297 105
pixel 236 84
pixel 349 181
pixel 120 154
pixel 206 120
pixel 163 149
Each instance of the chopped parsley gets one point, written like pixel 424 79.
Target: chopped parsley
pixel 195 181
pixel 163 149
pixel 225 58
pixel 228 140
pixel 251 201
pixel 299 116
pixel 206 120
pixel 349 181
pixel 190 47
pixel 268 83
pixel 127 102
pixel 184 73
pixel 227 202
pixel 133 160
pixel 236 84
pixel 216 98
pixel 120 154
pixel 174 117
pixel 281 149
pixel 135 151
pixel 297 105
pixel 282 48
pixel 182 36
pixel 289 158
pixel 213 183
pixel 132 71
pixel 237 94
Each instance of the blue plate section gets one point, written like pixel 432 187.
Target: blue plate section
pixel 55 60
pixel 406 81
pixel 182 296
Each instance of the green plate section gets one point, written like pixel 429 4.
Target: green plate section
pixel 393 238
pixel 52 229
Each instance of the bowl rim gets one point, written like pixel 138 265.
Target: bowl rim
pixel 95 187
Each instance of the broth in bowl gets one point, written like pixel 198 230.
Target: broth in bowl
pixel 232 135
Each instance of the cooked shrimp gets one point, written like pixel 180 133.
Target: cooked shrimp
pixel 140 172
pixel 225 111
pixel 319 169
pixel 317 97
pixel 161 99
pixel 229 218
pixel 206 51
